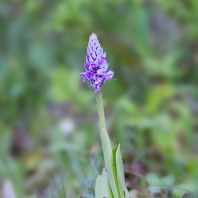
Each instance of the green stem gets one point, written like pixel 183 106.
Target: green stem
pixel 101 111
pixel 112 158
pixel 107 150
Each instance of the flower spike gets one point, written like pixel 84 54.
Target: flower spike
pixel 96 65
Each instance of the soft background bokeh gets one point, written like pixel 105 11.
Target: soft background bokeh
pixel 49 134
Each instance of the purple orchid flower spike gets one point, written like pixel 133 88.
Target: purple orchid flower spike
pixel 96 65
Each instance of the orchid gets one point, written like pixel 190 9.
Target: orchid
pixel 111 184
pixel 96 65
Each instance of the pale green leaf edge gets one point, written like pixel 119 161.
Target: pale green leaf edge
pixel 102 187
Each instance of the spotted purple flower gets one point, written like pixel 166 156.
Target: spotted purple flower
pixel 96 65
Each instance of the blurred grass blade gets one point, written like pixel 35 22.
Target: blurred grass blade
pixel 63 188
pixel 102 187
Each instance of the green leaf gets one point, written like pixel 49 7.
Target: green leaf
pixel 120 171
pixel 127 193
pixel 110 162
pixel 168 180
pixel 153 180
pixel 158 184
pixel 180 190
pixel 154 189
pixel 102 187
pixel 133 193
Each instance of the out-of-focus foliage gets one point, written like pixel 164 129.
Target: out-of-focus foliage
pixel 49 141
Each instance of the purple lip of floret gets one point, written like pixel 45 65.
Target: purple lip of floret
pixel 96 65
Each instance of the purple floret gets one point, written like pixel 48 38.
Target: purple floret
pixel 96 65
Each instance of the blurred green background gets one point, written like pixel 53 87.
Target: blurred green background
pixel 49 135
